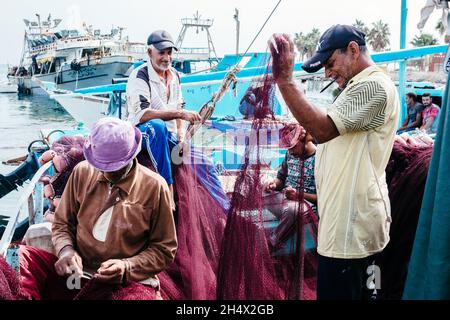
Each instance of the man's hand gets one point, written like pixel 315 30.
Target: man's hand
pixel 181 135
pixel 283 58
pixel 270 186
pixel 191 116
pixel 291 193
pixel 111 271
pixel 68 262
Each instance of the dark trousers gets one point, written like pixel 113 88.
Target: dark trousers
pixel 347 279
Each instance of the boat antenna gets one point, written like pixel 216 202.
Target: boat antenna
pixel 251 43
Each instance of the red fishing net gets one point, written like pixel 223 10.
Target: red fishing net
pixel 406 175
pixel 250 268
pixel 9 282
pixel 200 222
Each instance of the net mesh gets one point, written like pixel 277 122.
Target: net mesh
pixel 249 267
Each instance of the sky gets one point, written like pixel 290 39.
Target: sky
pixel 140 18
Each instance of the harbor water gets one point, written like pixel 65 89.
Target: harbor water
pixel 21 119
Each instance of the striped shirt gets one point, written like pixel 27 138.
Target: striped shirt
pixel 352 193
pixel 290 174
pixel 146 90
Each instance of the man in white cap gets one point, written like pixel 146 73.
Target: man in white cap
pixel 114 220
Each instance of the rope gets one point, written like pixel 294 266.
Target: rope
pixel 270 15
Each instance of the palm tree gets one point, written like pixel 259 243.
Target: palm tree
pixel 378 36
pixel 312 39
pixel 422 40
pixel 307 43
pixel 360 25
pixel 425 39
pixel 300 43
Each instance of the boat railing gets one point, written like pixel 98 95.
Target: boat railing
pixel 31 199
pixel 41 48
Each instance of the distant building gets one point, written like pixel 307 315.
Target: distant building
pixel 436 62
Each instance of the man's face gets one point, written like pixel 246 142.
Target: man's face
pixel 161 59
pixel 408 100
pixel 116 176
pixel 340 66
pixel 299 149
pixel 426 101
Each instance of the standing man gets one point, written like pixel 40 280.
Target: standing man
pixel 155 103
pixel 355 135
pixel 430 114
pixel 413 118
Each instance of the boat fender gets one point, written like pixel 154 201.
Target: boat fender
pixel 46 157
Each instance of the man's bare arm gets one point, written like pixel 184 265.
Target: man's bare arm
pixel 313 119
pixel 165 115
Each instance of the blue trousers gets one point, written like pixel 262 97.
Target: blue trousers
pixel 158 142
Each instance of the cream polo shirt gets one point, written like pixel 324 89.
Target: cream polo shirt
pixel 146 90
pixel 353 200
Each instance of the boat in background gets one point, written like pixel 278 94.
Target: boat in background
pixel 72 59
pixel 7 87
pixel 90 104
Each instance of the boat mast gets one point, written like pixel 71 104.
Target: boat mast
pixel 402 65
pixel 236 17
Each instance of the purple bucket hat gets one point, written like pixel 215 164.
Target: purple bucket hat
pixel 112 144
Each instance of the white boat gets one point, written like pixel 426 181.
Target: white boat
pixel 72 59
pixel 7 87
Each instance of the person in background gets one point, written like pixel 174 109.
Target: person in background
pixel 430 114
pixel 413 118
pixel 282 199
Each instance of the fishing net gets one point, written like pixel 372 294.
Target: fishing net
pixel 406 175
pixel 9 282
pixel 200 221
pixel 223 249
pixel 249 267
pixel 96 290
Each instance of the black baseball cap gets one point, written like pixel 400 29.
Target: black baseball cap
pixel 161 40
pixel 336 37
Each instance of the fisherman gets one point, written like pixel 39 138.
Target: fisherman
pixel 413 119
pixel 248 103
pixel 114 220
pixel 355 135
pixel 282 198
pixel 430 114
pixel 155 104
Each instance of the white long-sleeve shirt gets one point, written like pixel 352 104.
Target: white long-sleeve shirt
pixel 146 90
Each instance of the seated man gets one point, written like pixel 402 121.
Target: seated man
pixel 414 116
pixel 429 115
pixel 114 220
pixel 154 104
pixel 284 204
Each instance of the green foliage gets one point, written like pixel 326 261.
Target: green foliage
pixel 424 39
